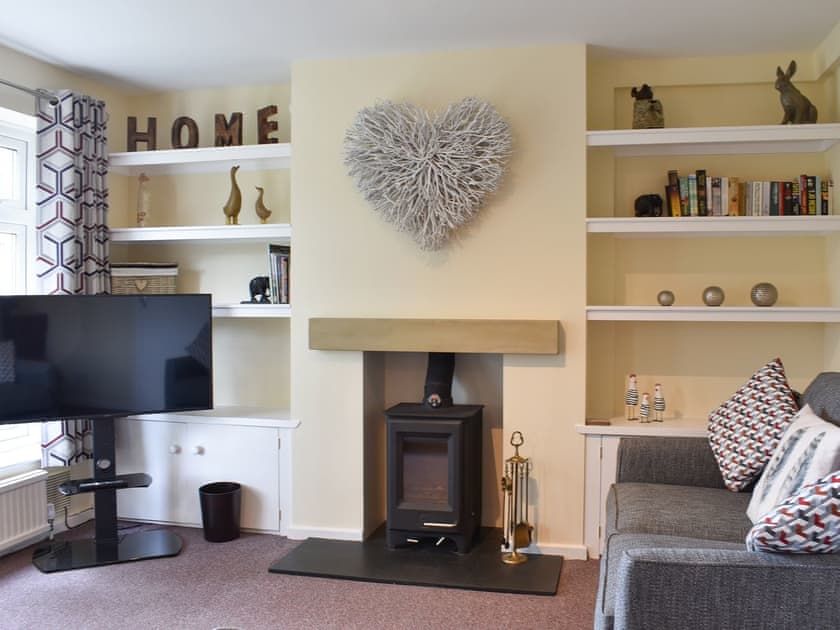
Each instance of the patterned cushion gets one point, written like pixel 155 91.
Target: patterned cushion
pixel 809 449
pixel 745 430
pixel 7 361
pixel 807 522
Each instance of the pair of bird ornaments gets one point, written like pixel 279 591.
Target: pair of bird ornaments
pixel 234 202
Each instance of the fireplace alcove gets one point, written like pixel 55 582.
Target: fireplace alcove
pixel 394 357
pixel 395 352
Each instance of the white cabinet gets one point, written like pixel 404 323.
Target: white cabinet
pixel 250 446
pixel 600 467
pixel 182 452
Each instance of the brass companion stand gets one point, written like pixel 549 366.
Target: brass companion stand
pixel 517 529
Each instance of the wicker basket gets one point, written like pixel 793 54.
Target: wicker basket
pixel 134 278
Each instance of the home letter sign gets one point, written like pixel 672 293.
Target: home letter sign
pixel 192 133
pixel 228 132
pixel 149 136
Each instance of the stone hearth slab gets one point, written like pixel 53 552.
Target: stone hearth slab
pixel 425 564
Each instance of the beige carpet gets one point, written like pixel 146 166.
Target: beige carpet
pixel 227 585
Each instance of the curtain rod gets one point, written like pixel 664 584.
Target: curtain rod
pixel 40 93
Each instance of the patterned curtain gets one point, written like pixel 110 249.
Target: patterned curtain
pixel 66 442
pixel 73 245
pixel 73 241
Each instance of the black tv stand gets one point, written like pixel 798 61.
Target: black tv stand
pixel 107 546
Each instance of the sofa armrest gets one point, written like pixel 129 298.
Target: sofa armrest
pixel 712 588
pixel 681 461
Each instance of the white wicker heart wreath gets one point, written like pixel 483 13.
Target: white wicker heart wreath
pixel 428 174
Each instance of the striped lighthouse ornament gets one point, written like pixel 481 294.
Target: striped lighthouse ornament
pixel 631 399
pixel 644 408
pixel 658 404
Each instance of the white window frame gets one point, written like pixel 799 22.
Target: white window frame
pixel 20 444
pixel 17 216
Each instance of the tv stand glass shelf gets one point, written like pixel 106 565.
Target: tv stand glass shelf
pixel 108 546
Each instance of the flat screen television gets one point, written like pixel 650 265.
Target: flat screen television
pixel 95 356
pixel 102 357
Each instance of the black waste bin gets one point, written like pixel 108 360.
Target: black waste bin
pixel 220 508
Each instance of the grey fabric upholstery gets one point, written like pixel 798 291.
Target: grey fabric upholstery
pixel 823 394
pixel 673 460
pixel 666 588
pixel 648 508
pixel 621 543
pixel 675 554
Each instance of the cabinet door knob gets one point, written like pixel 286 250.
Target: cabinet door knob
pixel 174 449
pixel 198 450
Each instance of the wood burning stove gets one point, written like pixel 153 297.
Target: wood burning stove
pixel 434 464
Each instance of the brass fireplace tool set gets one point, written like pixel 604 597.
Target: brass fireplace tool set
pixel 517 529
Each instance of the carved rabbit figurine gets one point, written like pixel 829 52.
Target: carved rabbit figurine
pixel 234 202
pixel 798 109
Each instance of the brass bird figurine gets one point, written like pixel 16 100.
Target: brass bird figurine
pixel 262 212
pixel 234 202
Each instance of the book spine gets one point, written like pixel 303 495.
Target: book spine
pixel 684 205
pixel 812 194
pixel 803 194
pixel 795 198
pixel 787 199
pixel 822 196
pixel 692 195
pixel 774 199
pixel 756 199
pixel 742 198
pixel 724 196
pixel 765 199
pixel 716 196
pixel 702 199
pixel 830 196
pixel 672 191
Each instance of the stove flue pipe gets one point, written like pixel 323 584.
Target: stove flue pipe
pixel 437 392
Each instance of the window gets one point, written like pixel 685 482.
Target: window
pixel 19 443
pixel 17 211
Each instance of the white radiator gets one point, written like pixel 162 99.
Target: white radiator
pixel 23 510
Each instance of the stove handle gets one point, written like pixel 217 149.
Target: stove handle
pixel 440 524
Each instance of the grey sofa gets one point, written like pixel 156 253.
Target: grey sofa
pixel 675 554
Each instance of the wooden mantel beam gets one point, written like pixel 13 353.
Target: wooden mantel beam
pixel 503 336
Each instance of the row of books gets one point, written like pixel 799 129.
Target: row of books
pixel 278 273
pixel 699 194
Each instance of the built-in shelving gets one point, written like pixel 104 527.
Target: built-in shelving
pixel 202 160
pixel 232 415
pixel 718 140
pixel 714 226
pixel 791 314
pixel 670 427
pixel 252 310
pixel 280 233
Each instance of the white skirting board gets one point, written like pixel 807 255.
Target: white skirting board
pixel 570 552
pixel 333 533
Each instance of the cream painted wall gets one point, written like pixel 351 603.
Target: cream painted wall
pixel 520 258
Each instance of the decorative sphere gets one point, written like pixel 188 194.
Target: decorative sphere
pixel 713 296
pixel 764 294
pixel 665 298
